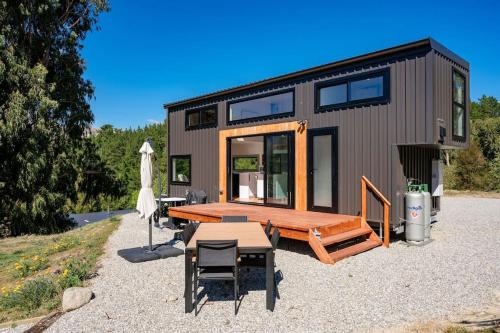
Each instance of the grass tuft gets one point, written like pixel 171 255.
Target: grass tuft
pixel 35 270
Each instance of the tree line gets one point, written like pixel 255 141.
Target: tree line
pixel 118 149
pixel 477 168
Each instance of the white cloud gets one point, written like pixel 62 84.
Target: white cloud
pixel 154 121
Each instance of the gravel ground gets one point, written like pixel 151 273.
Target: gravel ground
pixel 457 272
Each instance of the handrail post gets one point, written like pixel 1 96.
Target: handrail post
pixel 386 225
pixel 363 198
pixel 385 233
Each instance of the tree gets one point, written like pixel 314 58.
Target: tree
pixel 44 109
pixel 470 169
pixel 486 107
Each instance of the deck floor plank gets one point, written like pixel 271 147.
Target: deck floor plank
pixel 280 217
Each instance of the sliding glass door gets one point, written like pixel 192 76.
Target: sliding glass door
pixel 279 169
pixel 261 169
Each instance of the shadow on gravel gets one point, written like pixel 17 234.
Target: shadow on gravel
pixel 251 279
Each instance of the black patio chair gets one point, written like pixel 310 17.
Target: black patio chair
pixel 259 260
pixel 267 230
pixel 186 236
pixel 234 218
pixel 216 260
pixel 188 232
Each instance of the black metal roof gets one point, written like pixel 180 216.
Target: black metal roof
pixel 427 42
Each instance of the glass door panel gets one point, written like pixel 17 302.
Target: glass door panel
pixel 278 169
pixel 322 170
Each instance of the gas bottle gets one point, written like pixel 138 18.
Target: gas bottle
pixel 414 216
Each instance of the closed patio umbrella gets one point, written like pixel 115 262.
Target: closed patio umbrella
pixel 146 204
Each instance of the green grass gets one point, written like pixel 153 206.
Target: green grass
pixel 35 270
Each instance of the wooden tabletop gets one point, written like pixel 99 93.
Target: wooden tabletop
pixel 250 235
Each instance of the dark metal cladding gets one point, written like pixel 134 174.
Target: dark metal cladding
pixel 386 142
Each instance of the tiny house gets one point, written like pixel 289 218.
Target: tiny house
pixel 303 140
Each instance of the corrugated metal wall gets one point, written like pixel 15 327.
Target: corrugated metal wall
pixel 203 146
pixel 367 135
pixel 443 97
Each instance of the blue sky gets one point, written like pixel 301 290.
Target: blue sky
pixel 150 52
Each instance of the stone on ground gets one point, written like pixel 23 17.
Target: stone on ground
pixel 75 297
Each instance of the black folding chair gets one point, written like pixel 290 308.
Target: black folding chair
pixel 267 230
pixel 259 260
pixel 234 218
pixel 188 232
pixel 216 260
pixel 186 236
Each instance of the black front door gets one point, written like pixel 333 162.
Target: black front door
pixel 322 164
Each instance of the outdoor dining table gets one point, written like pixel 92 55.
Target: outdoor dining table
pixel 251 239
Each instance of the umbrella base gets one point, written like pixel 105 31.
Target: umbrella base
pixel 142 254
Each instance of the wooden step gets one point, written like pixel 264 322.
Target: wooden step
pixel 344 226
pixel 343 236
pixel 354 249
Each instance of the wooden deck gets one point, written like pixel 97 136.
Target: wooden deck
pixel 340 236
pixel 292 223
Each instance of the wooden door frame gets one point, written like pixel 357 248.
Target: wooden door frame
pixel 300 130
pixel 333 131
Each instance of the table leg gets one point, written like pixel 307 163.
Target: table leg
pixel 188 291
pixel 270 280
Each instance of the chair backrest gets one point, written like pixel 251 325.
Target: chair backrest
pixel 216 253
pixel 234 218
pixel 188 232
pixel 275 238
pixel 194 197
pixel 267 230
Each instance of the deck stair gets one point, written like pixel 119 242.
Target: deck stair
pixel 341 240
pixel 336 242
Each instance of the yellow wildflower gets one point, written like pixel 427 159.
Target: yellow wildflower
pixel 35 258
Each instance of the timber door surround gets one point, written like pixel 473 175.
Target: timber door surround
pixel 300 143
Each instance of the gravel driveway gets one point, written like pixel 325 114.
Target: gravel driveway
pixel 458 271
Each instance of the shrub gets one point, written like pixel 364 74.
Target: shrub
pixel 74 272
pixel 29 296
pixel 28 266
pixel 471 169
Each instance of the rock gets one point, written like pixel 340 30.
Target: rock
pixel 172 298
pixel 75 297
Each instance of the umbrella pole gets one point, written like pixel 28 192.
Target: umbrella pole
pixel 150 234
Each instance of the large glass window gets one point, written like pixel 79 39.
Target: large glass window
pixel 332 95
pixel 367 88
pixel 205 117
pixel 262 107
pixel 458 112
pixel 180 169
pixel 355 90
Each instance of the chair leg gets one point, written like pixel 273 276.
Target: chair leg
pixel 235 296
pixel 195 292
pixel 236 289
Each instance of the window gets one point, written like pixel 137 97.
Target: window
pixel 180 169
pixel 262 107
pixel 201 118
pixel 336 94
pixel 353 91
pixel 246 163
pixel 458 112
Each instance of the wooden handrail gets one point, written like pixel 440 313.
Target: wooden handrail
pixel 365 183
